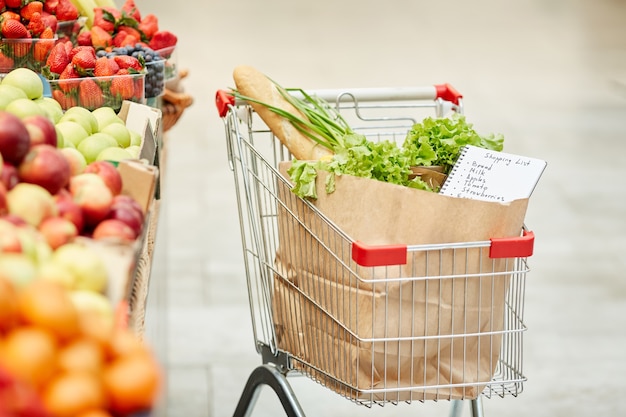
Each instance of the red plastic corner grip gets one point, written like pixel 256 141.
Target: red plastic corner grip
pixel 223 99
pixel 513 247
pixel 448 93
pixel 366 255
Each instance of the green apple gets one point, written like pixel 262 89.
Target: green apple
pixel 106 116
pixel 92 145
pixel 134 150
pixel 90 302
pixel 55 272
pixel 119 132
pixel 18 268
pixel 85 264
pixel 23 107
pixel 86 121
pixel 72 132
pixel 51 107
pixel 114 154
pixel 27 80
pixel 135 138
pixel 60 138
pixel 8 93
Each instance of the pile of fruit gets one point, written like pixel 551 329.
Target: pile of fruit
pixel 59 357
pixel 61 353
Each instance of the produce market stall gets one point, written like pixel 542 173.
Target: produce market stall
pixel 87 91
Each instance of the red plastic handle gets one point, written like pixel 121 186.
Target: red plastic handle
pixel 366 255
pixel 448 93
pixel 513 247
pixel 223 99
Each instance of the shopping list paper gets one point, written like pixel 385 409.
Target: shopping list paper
pixel 487 175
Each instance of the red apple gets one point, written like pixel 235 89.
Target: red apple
pixel 58 231
pixel 4 206
pixel 127 214
pixel 45 166
pixel 113 228
pixel 9 176
pixel 68 209
pixel 14 138
pixel 93 197
pixel 109 173
pixel 41 130
pixel 128 200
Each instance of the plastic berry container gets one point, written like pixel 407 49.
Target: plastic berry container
pixel 108 91
pixel 25 53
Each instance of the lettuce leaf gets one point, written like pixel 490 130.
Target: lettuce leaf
pixel 434 141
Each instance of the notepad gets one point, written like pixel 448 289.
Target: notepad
pixel 487 175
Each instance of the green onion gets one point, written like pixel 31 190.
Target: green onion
pixel 321 123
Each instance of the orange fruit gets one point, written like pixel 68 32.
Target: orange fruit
pixel 71 393
pixel 30 353
pixel 81 354
pixel 95 413
pixel 132 383
pixel 48 305
pixel 8 305
pixel 125 342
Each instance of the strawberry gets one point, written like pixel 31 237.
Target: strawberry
pixel 68 48
pixel 68 80
pixel 106 17
pixel 100 38
pixel 50 6
pixel 114 66
pixel 128 40
pixel 149 25
pixel 50 20
pixel 119 38
pixel 102 68
pixel 90 94
pixel 14 29
pixel 16 4
pixel 8 14
pixel 126 62
pixel 76 49
pixel 130 31
pixel 84 61
pixel 58 59
pixel 163 39
pixel 33 7
pixel 44 45
pixel 6 63
pixel 84 38
pixel 66 11
pixel 131 10
pixel 66 101
pixel 122 86
pixel 36 24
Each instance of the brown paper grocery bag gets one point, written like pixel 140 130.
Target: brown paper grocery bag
pixel 427 329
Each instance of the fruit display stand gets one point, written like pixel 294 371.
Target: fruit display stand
pixel 174 101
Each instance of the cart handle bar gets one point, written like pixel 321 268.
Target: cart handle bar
pixel 386 255
pixel 224 99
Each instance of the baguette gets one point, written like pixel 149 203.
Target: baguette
pixel 254 84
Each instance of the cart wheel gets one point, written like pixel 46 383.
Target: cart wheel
pixel 270 376
pixel 476 408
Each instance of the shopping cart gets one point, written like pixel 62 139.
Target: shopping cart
pixel 305 326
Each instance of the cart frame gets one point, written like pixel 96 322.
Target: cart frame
pixel 381 113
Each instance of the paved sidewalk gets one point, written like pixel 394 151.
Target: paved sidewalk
pixel 549 75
